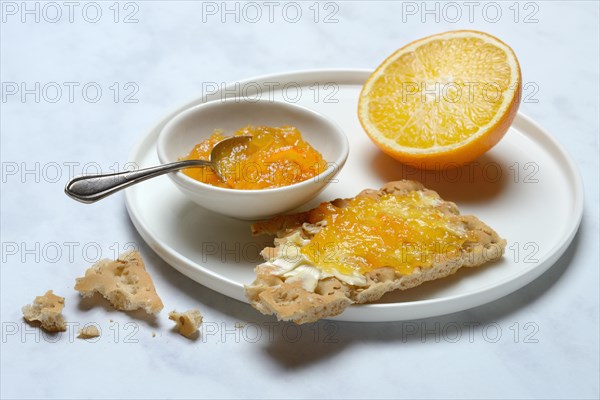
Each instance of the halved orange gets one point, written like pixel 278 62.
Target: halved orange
pixel 442 101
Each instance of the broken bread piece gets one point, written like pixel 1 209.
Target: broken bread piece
pixel 187 322
pixel 124 282
pixel 353 251
pixel 47 311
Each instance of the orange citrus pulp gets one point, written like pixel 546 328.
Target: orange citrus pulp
pixel 443 100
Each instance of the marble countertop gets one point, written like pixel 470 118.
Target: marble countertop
pixel 83 81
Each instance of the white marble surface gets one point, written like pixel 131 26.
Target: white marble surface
pixel 168 54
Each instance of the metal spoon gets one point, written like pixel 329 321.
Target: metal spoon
pixel 91 188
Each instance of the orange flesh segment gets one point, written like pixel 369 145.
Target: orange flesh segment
pixel 275 157
pixel 441 93
pixel 399 231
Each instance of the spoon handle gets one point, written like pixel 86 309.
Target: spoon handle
pixel 91 188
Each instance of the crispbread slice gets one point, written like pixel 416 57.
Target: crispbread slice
pixel 47 311
pixel 124 282
pixel 290 301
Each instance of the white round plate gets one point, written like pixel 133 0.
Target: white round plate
pixel 526 179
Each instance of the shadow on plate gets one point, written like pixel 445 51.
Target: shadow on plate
pixel 477 182
pixel 221 239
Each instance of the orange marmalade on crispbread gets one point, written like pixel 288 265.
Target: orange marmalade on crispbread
pixel 398 231
pixel 274 157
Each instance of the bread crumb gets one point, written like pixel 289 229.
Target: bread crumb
pixel 124 282
pixel 187 322
pixel 88 332
pixel 153 334
pixel 240 325
pixel 47 310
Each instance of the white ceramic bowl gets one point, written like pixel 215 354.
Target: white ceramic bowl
pixel 195 124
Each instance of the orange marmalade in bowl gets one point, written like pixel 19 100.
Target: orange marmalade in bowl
pixel 274 157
